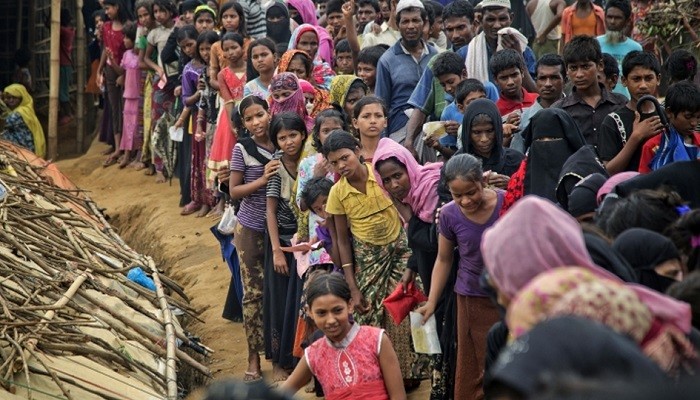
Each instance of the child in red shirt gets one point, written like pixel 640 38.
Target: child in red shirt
pixel 508 67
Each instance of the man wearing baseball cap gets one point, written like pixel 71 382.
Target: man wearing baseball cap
pixel 401 66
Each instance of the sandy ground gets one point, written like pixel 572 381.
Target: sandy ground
pixel 148 217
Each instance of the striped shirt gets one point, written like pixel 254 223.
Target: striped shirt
pixel 280 187
pixel 251 214
pixel 254 18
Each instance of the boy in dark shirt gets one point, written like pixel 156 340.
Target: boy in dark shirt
pixel 589 101
pixel 624 132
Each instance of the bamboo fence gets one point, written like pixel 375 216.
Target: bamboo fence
pixel 72 326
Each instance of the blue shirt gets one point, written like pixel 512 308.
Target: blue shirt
pixel 451 112
pixel 619 51
pixel 398 74
pixel 424 96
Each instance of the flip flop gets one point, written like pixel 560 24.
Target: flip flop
pixel 108 162
pixel 251 377
pixel 190 209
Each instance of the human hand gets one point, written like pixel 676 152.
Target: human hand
pixel 342 34
pixel 178 91
pixel 279 262
pixel 110 55
pixel 426 310
pixel 409 146
pixel 431 142
pixel 120 80
pixel 322 168
pixel 408 277
pixel 201 85
pixel 437 213
pixel 643 130
pixel 540 39
pixel 199 136
pixel 359 301
pixel 349 10
pixel 451 127
pixel 497 180
pixel 99 80
pixel 513 118
pixel 509 41
pixel 223 174
pixel 271 169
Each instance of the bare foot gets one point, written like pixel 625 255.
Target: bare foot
pixel 124 161
pixel 279 374
pixel 138 165
pixel 160 178
pixel 203 211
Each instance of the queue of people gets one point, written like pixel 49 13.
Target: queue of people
pixel 543 202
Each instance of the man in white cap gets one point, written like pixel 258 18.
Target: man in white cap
pixel 401 66
pixel 497 15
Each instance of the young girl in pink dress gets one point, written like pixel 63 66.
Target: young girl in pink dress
pixel 130 79
pixel 352 361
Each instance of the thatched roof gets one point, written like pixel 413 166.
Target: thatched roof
pixel 72 325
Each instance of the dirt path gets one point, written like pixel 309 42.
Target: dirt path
pixel 148 217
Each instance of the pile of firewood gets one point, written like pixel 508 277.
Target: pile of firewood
pixel 673 22
pixel 67 308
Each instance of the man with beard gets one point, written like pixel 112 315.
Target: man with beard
pixel 401 66
pixel 615 42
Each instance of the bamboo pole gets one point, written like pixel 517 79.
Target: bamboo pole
pixel 171 345
pixel 54 77
pixel 81 47
pixel 18 35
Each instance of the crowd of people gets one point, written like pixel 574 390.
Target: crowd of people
pixel 525 166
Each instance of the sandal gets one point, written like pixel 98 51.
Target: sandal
pixel 109 161
pixel 251 377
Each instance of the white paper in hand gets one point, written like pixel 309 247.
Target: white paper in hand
pixel 425 337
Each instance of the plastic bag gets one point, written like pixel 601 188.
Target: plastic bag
pixel 139 276
pixel 398 304
pixel 425 337
pixel 176 133
pixel 228 221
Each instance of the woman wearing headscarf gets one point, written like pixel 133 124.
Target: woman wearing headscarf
pixel 346 90
pixel 578 292
pixel 22 127
pixel 552 137
pixel 294 102
pixel 558 241
pixel 317 99
pixel 305 11
pixel 485 146
pixel 413 189
pixel 654 257
pixel 571 347
pixel 318 45
pixel 278 23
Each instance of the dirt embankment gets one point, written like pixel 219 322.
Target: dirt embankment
pixel 147 216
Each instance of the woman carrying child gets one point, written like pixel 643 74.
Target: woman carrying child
pixel 375 257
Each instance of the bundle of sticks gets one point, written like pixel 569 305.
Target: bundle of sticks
pixel 673 22
pixel 64 293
